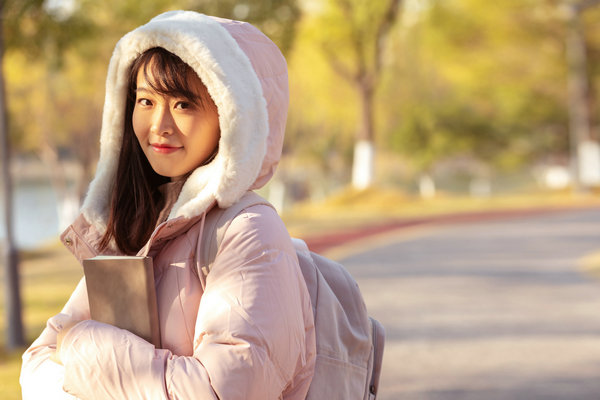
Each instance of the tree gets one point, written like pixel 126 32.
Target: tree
pixel 578 85
pixel 353 38
pixel 14 321
pixel 480 80
pixel 44 37
pixel 462 80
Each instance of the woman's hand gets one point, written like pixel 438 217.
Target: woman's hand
pixel 59 338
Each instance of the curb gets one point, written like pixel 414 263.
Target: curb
pixel 343 243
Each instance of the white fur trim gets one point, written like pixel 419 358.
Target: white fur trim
pixel 206 46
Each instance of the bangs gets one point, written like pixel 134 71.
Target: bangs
pixel 168 75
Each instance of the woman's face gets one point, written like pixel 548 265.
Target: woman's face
pixel 175 134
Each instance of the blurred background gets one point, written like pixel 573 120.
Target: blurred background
pixel 399 109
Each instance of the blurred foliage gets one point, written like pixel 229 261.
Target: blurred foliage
pixel 338 55
pixel 501 77
pixel 42 31
pixel 460 79
pixel 486 80
pixel 350 34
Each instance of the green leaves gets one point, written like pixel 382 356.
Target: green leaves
pixel 487 80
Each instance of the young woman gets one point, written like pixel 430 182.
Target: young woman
pixel 194 119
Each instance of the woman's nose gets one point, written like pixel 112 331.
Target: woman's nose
pixel 162 123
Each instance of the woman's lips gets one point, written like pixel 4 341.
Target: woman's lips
pixel 164 148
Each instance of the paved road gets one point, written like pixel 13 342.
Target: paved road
pixel 487 310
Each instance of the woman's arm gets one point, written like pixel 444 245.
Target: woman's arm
pixel 249 336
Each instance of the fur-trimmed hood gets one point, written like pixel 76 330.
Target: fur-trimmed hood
pixel 246 76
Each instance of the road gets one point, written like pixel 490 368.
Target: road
pixel 487 310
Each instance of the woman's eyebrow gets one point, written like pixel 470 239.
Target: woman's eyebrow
pixel 143 89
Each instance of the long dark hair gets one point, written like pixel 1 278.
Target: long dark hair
pixel 136 200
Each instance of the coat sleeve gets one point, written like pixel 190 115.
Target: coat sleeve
pixel 40 377
pixel 249 335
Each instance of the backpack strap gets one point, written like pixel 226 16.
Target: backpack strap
pixel 216 224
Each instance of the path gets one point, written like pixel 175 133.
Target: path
pixel 487 310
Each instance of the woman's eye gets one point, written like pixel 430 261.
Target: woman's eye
pixel 144 102
pixel 183 105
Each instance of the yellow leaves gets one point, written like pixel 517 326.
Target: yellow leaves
pixel 318 96
pixel 25 99
pixel 335 44
pixel 48 106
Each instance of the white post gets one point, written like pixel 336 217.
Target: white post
pixel 426 186
pixel 363 167
pixel 589 163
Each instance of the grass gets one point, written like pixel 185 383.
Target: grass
pixel 49 274
pixel 9 376
pixel 350 208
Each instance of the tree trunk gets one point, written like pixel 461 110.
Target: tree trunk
pixel 14 322
pixel 579 119
pixel 363 166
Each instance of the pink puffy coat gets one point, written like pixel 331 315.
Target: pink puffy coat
pixel 244 332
